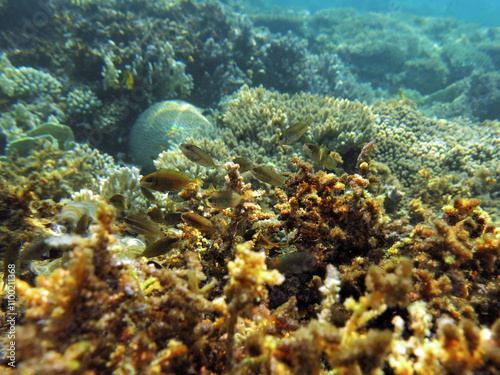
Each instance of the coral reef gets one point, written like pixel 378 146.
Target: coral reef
pixel 381 49
pixel 123 181
pixel 388 51
pixel 381 257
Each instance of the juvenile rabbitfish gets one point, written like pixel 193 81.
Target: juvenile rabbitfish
pixel 198 222
pixel 196 154
pixel 268 176
pixel 293 133
pixel 160 247
pixel 141 225
pixel 294 263
pixel 148 194
pixel 245 163
pixel 322 156
pixel 165 180
pixel 82 224
pixel 118 201
pixel 156 215
pixel 224 199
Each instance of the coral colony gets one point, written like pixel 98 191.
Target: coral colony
pixel 203 188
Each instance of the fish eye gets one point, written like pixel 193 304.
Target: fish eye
pixel 149 180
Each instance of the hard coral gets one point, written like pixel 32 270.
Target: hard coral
pixel 254 118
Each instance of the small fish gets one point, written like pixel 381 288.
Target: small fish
pixel 165 180
pixel 313 151
pixel 156 215
pixel 118 201
pixel 82 224
pixel 160 247
pixel 141 225
pixel 268 176
pixel 245 163
pixel 242 226
pixel 37 249
pixel 294 263
pixel 265 242
pixel 322 156
pixel 224 199
pixel 196 154
pixel 402 93
pixel 293 133
pixel 148 194
pixel 172 218
pixel 196 221
pixel 127 80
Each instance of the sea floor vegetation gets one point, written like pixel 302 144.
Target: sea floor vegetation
pixel 326 282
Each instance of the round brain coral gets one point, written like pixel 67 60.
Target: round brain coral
pixel 163 126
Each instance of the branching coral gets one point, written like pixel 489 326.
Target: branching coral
pixel 124 181
pixel 433 158
pixel 253 120
pixel 457 254
pixel 26 81
pixel 248 275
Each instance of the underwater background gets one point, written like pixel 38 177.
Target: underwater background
pixel 250 187
pixel 482 12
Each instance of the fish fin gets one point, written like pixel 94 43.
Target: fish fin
pixel 197 181
pixel 210 189
pixel 164 170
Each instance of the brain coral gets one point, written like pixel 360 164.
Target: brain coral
pixel 162 126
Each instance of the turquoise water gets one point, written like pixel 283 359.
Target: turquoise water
pixel 483 12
